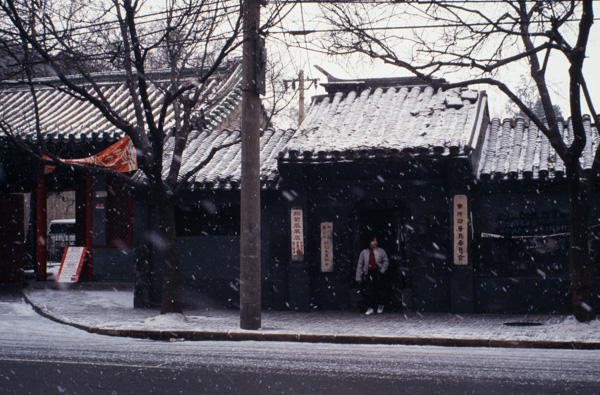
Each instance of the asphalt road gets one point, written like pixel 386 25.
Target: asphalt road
pixel 38 356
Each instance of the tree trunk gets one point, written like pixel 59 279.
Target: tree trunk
pixel 169 253
pixel 581 289
pixel 142 278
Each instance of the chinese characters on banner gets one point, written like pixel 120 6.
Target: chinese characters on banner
pixel 120 157
pixel 461 227
pixel 326 246
pixel 297 236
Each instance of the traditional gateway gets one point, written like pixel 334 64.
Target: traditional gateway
pixel 472 211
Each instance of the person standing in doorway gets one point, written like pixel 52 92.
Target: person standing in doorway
pixel 372 264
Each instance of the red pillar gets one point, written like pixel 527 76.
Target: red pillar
pixel 41 231
pixel 83 216
pixel 89 222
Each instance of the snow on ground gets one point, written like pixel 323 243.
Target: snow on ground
pixel 113 309
pixel 283 367
pixel 109 299
pixel 10 309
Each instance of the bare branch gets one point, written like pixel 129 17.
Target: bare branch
pixel 214 150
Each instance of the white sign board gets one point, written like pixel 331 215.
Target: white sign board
pixel 297 235
pixel 461 227
pixel 71 264
pixel 326 246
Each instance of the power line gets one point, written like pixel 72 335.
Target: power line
pixel 105 26
pixel 302 32
pixel 230 9
pixel 424 2
pixel 439 26
pixel 226 6
pixel 108 26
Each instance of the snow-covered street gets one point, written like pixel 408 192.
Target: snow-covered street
pixel 39 355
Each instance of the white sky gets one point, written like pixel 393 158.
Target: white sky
pixel 304 17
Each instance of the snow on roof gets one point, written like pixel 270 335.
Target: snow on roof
pixel 224 170
pixel 517 149
pixel 380 121
pixel 64 117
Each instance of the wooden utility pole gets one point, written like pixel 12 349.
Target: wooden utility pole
pixel 301 98
pixel 301 90
pixel 250 287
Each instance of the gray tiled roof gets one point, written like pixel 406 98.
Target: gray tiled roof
pixel 64 117
pixel 224 170
pixel 516 148
pixel 388 121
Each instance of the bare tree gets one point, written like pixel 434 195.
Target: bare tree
pixel 278 101
pixel 123 35
pixel 473 43
pixel 527 91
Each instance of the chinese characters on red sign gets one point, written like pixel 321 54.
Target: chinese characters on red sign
pixel 297 235
pixel 326 246
pixel 120 157
pixel 461 227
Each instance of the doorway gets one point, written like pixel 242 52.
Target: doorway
pixel 387 223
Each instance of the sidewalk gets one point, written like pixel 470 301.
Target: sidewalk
pixel 107 309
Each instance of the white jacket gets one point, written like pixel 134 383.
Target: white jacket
pixel 381 260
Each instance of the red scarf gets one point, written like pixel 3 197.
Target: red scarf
pixel 372 264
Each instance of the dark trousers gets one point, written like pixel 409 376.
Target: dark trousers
pixel 374 289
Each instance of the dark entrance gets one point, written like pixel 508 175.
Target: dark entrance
pixel 386 222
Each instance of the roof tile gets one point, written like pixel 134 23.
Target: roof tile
pixel 224 170
pixel 65 118
pixel 518 149
pixel 386 121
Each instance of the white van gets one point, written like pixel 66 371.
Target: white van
pixel 61 234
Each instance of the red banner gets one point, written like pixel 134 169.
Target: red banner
pixel 120 157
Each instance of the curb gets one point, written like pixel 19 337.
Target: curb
pixel 342 339
pixel 313 338
pixel 89 286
